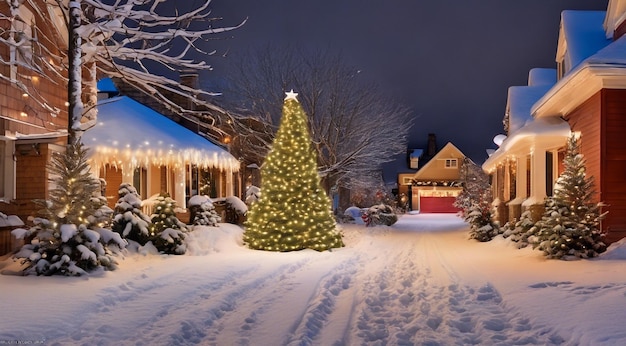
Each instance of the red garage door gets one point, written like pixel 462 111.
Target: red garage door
pixel 437 205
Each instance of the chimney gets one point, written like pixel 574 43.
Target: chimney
pixel 189 78
pixel 431 149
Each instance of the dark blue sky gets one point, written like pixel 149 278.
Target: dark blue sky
pixel 451 61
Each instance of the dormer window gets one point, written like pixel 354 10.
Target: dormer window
pixel 451 163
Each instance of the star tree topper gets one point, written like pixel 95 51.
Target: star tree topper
pixel 291 95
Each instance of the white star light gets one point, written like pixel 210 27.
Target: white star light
pixel 291 95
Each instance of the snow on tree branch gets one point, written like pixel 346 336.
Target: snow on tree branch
pixel 145 43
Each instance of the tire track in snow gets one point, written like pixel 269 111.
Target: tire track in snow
pixel 257 296
pixel 204 323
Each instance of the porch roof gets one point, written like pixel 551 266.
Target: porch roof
pixel 540 132
pixel 130 134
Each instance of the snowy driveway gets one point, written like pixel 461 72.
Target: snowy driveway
pixel 420 282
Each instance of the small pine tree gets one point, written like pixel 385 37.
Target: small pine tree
pixel 570 226
pixel 293 211
pixel 63 241
pixel 168 232
pixel 482 227
pixel 129 220
pixel 520 231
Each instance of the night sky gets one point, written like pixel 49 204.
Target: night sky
pixel 451 61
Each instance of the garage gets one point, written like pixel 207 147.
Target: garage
pixel 437 199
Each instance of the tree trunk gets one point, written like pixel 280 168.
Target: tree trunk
pixel 74 87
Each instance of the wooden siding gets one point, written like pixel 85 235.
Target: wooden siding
pixel 113 178
pixel 601 120
pixel 586 119
pixel 619 31
pixel 31 179
pixel 613 183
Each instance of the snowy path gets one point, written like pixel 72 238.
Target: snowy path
pixel 406 285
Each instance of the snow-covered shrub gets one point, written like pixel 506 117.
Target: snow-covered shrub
pixel 482 226
pixel 252 194
pixel 129 220
pixel 235 210
pixel 65 249
pixel 353 215
pixel 202 211
pixel 169 231
pixel 381 214
pixel 521 230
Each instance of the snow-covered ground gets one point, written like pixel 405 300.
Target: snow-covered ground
pixel 418 282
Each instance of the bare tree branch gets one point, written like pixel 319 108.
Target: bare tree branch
pixel 355 127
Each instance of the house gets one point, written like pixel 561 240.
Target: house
pixel 434 186
pixel 34 116
pixel 133 143
pixel 33 110
pixel 588 99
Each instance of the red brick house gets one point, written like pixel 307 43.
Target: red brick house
pixel 587 97
pixel 33 110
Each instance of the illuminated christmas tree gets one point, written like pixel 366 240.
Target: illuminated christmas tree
pixel 570 226
pixel 293 211
pixel 69 239
pixel 168 232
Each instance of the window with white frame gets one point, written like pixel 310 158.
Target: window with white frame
pixel 451 163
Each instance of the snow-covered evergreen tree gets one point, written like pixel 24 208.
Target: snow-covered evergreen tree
pixel 293 212
pixel 65 241
pixel 475 184
pixel 169 231
pixel 570 226
pixel 203 211
pixel 480 218
pixel 521 230
pixel 129 220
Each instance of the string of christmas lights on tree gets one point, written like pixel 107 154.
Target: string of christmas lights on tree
pixel 293 212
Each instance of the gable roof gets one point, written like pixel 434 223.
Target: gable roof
pixel 582 34
pixel 448 151
pixel 131 134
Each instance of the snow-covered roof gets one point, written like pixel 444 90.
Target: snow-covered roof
pixel 520 101
pixel 106 85
pixel 584 35
pixel 608 64
pixel 613 54
pixel 416 153
pixel 548 130
pixel 541 76
pixel 131 134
